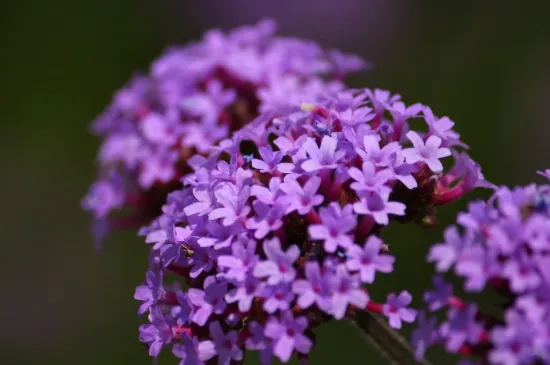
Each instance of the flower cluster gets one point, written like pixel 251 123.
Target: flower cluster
pixel 277 229
pixel 503 246
pixel 193 97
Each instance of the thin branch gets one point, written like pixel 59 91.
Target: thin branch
pixel 387 340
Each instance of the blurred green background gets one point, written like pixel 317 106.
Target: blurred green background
pixel 486 64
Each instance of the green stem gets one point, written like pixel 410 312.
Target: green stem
pixel 384 338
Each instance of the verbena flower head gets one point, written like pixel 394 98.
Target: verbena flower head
pixel 502 246
pixel 193 97
pixel 277 230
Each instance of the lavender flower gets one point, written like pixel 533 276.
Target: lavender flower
pixel 347 291
pixel 368 260
pixel 320 157
pixel 288 335
pixel 429 151
pixel 225 344
pixel 335 227
pixel 158 333
pixel 501 246
pixel 396 309
pixel 193 97
pixel 151 293
pixel 278 226
pixel 279 264
pixel 316 288
pixel 301 199
pixel 209 301
pixel 378 207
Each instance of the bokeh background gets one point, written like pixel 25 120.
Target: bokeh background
pixel 486 64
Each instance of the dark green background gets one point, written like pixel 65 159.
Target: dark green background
pixel 484 63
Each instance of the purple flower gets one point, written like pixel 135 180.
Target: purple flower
pixel 159 168
pixel 225 344
pixel 438 298
pixel 404 172
pixel 321 157
pixel 259 342
pixel 315 289
pixel 503 250
pixel 445 254
pixel 400 112
pixel 200 261
pixel 279 264
pixel 191 352
pixel 168 240
pixel 183 311
pixel 233 202
pixel 368 260
pixel 461 327
pixel 396 309
pixel 441 127
pixel 158 333
pixel 381 99
pixel 302 199
pixel 378 206
pixel 372 152
pixel 151 293
pixel 514 342
pixel 256 238
pixel 209 301
pixel 158 130
pixel 429 152
pixel 245 293
pixel 268 218
pixel 269 195
pixel 204 202
pixel 545 173
pixel 537 233
pixel 425 335
pixel 288 336
pixel 477 265
pixel 522 273
pixel 241 261
pixel 369 179
pixel 270 160
pixel 277 297
pixel 468 171
pixel 347 290
pixel 337 222
pixel 104 196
